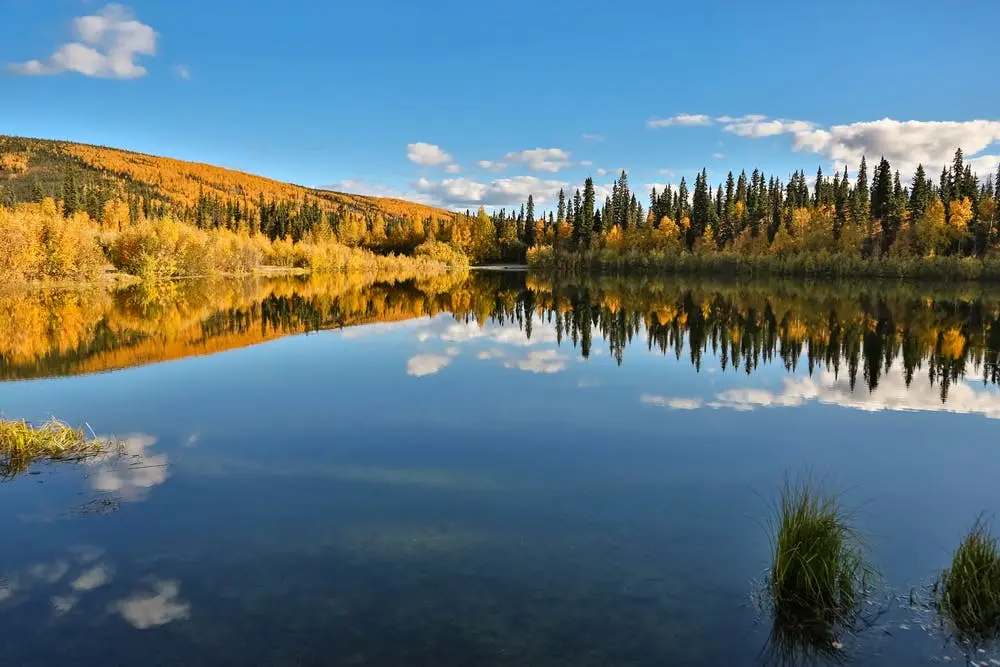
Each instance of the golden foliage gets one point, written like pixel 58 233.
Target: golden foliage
pixel 183 182
pixel 37 243
pixel 14 163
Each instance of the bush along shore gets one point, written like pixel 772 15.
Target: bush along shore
pixel 39 243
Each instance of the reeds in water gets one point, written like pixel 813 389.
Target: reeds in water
pixel 23 444
pixel 967 594
pixel 819 580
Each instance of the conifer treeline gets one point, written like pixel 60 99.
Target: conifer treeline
pixel 873 218
pixel 856 332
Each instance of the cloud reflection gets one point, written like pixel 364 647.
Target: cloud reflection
pixel 825 388
pixel 539 361
pixel 159 607
pixel 132 471
pixel 426 364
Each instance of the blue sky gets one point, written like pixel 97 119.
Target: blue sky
pixel 413 99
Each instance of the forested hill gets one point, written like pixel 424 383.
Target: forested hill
pixel 31 169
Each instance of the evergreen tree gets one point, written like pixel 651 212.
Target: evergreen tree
pixel 561 210
pixel 587 215
pixel 920 194
pixel 861 196
pixel 529 223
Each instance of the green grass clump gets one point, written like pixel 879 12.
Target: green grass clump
pixel 819 579
pixel 23 444
pixel 967 595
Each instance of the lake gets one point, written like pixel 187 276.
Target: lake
pixel 493 470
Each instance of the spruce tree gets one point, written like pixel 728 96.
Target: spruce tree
pixel 587 215
pixel 920 194
pixel 561 210
pixel 529 223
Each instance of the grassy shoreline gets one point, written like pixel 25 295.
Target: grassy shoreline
pixel 822 265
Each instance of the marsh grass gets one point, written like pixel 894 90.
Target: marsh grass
pixel 23 444
pixel 967 594
pixel 819 581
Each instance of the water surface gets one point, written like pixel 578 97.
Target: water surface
pixel 492 470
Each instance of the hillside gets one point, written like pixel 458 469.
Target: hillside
pixel 30 168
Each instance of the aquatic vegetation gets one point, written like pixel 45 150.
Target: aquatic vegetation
pixel 967 594
pixel 819 580
pixel 23 444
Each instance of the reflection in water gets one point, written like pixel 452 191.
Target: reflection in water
pixel 158 606
pixel 900 341
pixel 130 472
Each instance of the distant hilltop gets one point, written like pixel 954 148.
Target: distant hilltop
pixel 33 167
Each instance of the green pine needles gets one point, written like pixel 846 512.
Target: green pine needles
pixel 967 595
pixel 23 444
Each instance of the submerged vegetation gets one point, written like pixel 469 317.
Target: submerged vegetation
pixel 967 594
pixel 819 579
pixel 23 444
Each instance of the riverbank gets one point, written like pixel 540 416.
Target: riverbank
pixel 819 265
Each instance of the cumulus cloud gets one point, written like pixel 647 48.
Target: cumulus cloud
pixel 426 364
pixel 681 119
pixel 499 192
pixel 492 165
pixel 159 607
pixel 492 353
pixel 428 155
pixel 542 159
pixel 905 144
pixel 453 168
pixel 107 46
pixel 362 187
pixel 539 361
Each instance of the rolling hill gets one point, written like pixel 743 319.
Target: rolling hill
pixel 33 167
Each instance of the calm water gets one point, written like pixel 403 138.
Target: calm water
pixel 499 470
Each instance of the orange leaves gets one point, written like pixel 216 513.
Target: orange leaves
pixel 14 163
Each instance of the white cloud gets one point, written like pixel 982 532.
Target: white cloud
pixel 669 173
pixel 491 165
pixel 587 136
pixel 542 159
pixel 905 144
pixel 93 578
pixel 453 168
pixel 428 155
pixel 132 472
pixel 160 607
pixel 669 402
pixel 183 72
pixel 108 45
pixel 362 187
pixel 452 351
pixel 681 119
pixel 586 163
pixel 492 353
pixel 500 192
pixel 750 117
pixel 426 364
pixel 539 361
pixel 718 156
pixel 660 187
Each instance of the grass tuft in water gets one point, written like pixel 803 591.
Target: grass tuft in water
pixel 967 595
pixel 23 444
pixel 819 580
